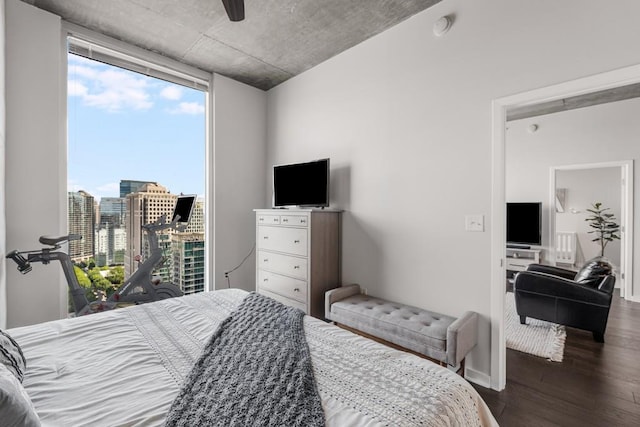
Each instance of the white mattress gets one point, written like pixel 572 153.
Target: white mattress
pixel 124 368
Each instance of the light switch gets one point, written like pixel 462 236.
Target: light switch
pixel 474 222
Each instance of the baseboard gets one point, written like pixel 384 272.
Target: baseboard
pixel 477 377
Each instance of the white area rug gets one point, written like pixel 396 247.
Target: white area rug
pixel 537 337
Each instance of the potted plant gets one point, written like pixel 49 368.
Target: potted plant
pixel 604 226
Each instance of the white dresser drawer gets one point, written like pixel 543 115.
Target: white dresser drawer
pixel 285 264
pixel 285 300
pixel 267 219
pixel 283 285
pixel 296 220
pixel 283 239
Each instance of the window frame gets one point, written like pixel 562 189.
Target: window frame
pixel 102 48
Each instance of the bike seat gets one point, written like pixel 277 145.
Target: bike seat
pixel 54 241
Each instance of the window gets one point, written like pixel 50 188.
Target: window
pixel 136 139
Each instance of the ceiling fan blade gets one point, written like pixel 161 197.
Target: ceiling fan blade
pixel 235 9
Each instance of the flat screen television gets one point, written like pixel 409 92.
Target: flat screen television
pixel 301 184
pixel 524 224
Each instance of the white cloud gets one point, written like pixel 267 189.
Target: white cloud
pixel 109 89
pixel 188 108
pixel 173 93
pixel 111 189
pixel 81 71
pixel 76 88
pixel 74 186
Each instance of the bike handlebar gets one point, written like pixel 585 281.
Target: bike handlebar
pixel 23 265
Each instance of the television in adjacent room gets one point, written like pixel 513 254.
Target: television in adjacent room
pixel 301 184
pixel 524 224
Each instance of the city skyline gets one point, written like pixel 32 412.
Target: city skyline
pixel 127 126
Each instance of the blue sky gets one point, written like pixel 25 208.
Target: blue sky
pixel 124 125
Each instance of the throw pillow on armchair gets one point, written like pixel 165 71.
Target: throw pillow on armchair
pixel 594 271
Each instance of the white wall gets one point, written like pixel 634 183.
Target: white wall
pixel 584 187
pixel 239 173
pixel 35 158
pixel 3 231
pixel 602 133
pixel 406 120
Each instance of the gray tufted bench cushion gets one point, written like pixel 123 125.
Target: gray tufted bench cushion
pixel 437 336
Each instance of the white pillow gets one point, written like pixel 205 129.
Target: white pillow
pixel 16 409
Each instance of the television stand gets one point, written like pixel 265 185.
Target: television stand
pixel 510 246
pixel 518 259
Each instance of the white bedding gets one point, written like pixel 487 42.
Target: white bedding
pixel 124 368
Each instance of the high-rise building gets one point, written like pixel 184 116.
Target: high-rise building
pixel 128 186
pixel 102 246
pixel 119 245
pixel 188 261
pixel 81 221
pixel 110 245
pixel 112 210
pixel 144 207
pixel 111 221
pixel 196 223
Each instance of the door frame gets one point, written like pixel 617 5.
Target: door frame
pixel 602 81
pixel 626 217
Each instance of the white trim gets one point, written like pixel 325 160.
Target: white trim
pixel 627 219
pixel 606 80
pixel 63 299
pixel 209 189
pixel 477 377
pixel 498 248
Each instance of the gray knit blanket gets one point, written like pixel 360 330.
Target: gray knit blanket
pixel 255 371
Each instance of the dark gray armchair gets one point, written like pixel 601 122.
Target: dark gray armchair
pixel 561 296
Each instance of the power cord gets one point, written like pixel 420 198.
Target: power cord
pixel 226 273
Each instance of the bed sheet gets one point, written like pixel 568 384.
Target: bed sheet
pixel 124 368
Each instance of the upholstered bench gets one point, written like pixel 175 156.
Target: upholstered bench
pixel 435 336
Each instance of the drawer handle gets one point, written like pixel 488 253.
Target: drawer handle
pixel 266 237
pixel 296 289
pixel 296 241
pixel 265 280
pixel 275 219
pixel 296 267
pixel 285 220
pixel 303 221
pixel 260 219
pixel 266 260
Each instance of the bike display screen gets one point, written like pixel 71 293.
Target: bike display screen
pixel 184 207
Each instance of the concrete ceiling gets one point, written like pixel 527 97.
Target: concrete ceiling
pixel 278 39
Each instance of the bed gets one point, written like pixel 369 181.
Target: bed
pixel 125 367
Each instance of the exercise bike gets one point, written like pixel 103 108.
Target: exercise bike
pixel 140 288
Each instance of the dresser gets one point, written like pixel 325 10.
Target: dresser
pixel 298 256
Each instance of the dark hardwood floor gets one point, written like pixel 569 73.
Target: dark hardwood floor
pixel 595 384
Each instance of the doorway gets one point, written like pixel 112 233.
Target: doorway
pixel 619 176
pixel 609 80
